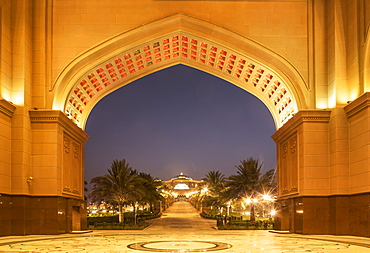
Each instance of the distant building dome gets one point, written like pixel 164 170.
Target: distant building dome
pixel 181 176
pixel 182 186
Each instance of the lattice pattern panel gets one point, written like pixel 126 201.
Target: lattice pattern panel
pixel 259 78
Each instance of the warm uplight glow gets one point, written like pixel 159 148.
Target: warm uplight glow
pixel 18 99
pixel 321 104
pixel 343 97
pixel 5 94
pixel 273 212
pixel 332 101
pixel 353 95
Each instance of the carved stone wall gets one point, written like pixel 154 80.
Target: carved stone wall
pixel 288 166
pixel 72 166
pixel 333 161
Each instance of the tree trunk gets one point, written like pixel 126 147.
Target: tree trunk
pixel 135 210
pixel 253 214
pixel 120 216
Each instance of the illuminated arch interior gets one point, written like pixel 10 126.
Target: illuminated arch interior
pixel 178 47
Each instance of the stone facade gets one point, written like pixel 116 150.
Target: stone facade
pixel 308 61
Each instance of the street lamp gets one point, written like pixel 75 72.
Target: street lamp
pixel 228 204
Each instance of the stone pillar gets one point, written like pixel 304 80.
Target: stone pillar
pixel 358 113
pixel 53 199
pixel 58 168
pixel 323 160
pixel 6 113
pixel 303 172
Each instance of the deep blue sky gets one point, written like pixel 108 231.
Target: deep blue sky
pixel 179 120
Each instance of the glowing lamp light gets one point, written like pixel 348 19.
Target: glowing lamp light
pixel 273 212
pixel 266 197
pixel 181 187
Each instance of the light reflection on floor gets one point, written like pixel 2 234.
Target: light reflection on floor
pixel 182 230
pixel 241 242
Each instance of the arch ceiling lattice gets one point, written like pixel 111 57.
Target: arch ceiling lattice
pixel 181 48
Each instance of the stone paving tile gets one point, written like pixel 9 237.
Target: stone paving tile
pixel 181 230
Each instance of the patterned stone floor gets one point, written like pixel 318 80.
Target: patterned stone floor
pixel 181 230
pixel 242 242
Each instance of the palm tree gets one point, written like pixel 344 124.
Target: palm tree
pixel 214 180
pixel 122 185
pixel 151 186
pixel 214 183
pixel 165 192
pixel 250 182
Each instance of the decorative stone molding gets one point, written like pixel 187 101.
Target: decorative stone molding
pixel 66 144
pixel 76 149
pixel 285 150
pixel 358 105
pixel 58 117
pixel 7 108
pixel 313 116
pixel 293 145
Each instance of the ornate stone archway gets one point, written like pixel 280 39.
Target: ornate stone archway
pixel 179 39
pixel 307 61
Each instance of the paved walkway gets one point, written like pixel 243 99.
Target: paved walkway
pixel 181 216
pixel 181 230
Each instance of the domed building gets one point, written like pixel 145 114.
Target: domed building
pixel 182 186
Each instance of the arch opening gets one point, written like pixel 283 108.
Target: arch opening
pixel 181 120
pixel 171 41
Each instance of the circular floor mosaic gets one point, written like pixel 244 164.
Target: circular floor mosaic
pixel 179 246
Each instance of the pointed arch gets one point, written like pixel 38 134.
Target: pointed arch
pixel 179 39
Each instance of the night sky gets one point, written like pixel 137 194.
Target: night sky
pixel 179 120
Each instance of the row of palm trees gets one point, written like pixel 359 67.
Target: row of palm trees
pixel 248 183
pixel 124 186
